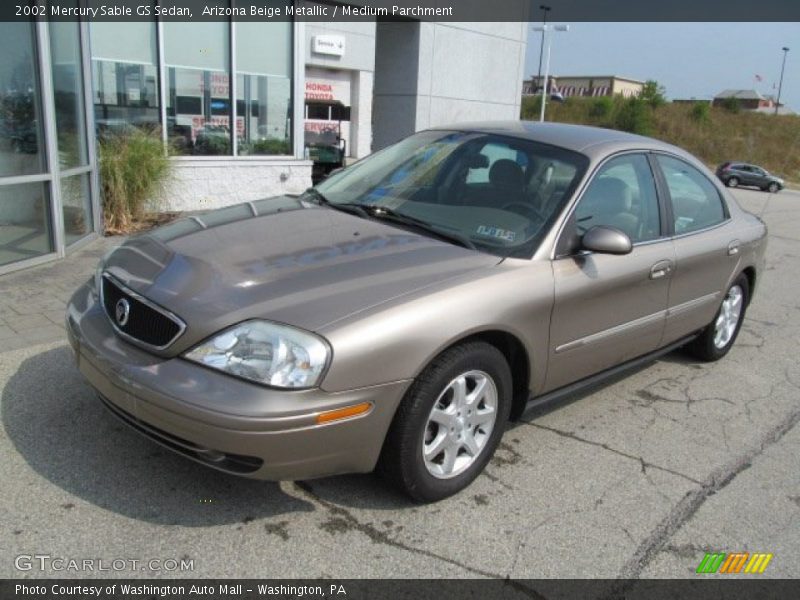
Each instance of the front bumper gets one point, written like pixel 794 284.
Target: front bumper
pixel 222 421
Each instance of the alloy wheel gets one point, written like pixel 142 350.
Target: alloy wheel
pixel 728 319
pixel 460 424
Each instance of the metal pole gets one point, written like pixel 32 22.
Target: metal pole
pixel 546 73
pixel 780 84
pixel 545 9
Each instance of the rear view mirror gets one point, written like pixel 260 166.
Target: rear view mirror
pixel 478 161
pixel 606 240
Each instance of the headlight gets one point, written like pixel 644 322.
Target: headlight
pixel 265 352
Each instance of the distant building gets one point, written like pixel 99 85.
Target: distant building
pixel 752 100
pixel 747 99
pixel 691 101
pixel 593 85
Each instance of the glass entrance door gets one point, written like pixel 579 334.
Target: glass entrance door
pixel 25 202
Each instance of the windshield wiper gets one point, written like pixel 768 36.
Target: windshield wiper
pixel 382 212
pixel 348 207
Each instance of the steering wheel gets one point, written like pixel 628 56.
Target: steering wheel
pixel 527 210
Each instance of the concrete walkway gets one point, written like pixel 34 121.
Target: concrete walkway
pixel 32 301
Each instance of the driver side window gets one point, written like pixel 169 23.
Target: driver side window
pixel 622 195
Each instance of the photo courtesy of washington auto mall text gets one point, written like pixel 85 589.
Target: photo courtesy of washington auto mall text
pixel 177 590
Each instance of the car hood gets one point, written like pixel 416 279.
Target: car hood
pixel 281 259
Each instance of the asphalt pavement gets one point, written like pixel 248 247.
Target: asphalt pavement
pixel 637 479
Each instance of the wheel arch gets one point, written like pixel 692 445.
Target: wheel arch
pixel 750 273
pixel 516 355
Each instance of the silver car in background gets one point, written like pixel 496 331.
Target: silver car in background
pixel 398 314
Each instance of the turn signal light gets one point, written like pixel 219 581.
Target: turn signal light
pixel 344 413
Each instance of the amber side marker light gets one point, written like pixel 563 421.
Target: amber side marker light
pixel 344 413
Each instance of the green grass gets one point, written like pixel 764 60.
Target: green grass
pixel 714 135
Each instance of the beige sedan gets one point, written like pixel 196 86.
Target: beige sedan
pixel 398 314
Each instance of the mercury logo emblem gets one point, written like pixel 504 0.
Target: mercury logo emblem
pixel 122 312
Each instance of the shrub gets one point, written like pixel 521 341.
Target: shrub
pixel 133 166
pixel 634 116
pixel 212 144
pixel 701 112
pixel 270 146
pixel 601 107
pixel 731 105
pixel 531 106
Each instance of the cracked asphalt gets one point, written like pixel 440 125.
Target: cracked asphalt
pixel 636 479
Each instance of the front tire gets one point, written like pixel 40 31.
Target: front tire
pixel 718 338
pixel 773 188
pixel 449 423
pixel 732 182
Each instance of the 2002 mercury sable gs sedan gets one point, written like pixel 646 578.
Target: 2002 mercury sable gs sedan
pixel 401 312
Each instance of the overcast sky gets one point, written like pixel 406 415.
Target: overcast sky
pixel 688 59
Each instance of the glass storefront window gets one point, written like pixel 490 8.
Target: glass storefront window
pixel 53 179
pixel 24 222
pixel 125 75
pixel 264 87
pixel 76 206
pixel 197 57
pixel 65 57
pixel 22 148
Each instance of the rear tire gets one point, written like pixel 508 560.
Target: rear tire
pixel 449 423
pixel 718 337
pixel 732 182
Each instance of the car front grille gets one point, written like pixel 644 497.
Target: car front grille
pixel 146 323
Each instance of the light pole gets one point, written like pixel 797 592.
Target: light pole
pixel 544 29
pixel 545 9
pixel 780 83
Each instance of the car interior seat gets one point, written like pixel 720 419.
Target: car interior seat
pixel 543 189
pixel 608 201
pixel 507 178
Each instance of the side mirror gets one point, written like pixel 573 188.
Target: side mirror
pixel 606 240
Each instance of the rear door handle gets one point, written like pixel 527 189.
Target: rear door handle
pixel 733 248
pixel 661 269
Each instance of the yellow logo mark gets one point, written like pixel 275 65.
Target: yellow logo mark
pixel 758 562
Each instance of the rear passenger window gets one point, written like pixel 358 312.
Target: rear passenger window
pixel 696 203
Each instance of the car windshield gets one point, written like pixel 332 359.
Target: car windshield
pixel 498 194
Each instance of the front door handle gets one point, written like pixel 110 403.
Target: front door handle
pixel 661 269
pixel 733 248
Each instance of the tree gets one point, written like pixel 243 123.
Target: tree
pixel 653 94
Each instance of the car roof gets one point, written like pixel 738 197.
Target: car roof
pixel 579 138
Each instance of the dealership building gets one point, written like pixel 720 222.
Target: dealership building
pixel 234 102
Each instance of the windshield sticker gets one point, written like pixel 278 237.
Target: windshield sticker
pixel 495 232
